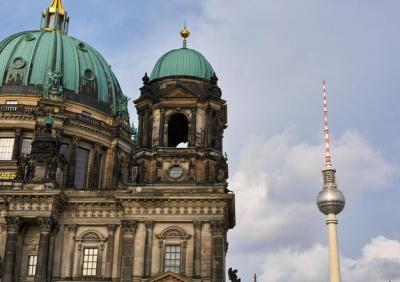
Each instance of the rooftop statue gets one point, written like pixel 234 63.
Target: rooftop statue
pixel 232 274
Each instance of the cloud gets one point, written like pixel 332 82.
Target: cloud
pixel 380 261
pixel 276 185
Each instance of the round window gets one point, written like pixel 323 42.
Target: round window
pixel 175 171
pixel 89 75
pixel 19 63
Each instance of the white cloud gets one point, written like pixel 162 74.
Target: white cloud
pixel 380 261
pixel 276 185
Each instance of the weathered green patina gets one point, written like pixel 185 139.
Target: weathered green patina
pixel 49 60
pixel 182 62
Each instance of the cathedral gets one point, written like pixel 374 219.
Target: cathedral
pixel 85 196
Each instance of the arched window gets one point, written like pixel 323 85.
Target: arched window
pixel 178 129
pixel 90 253
pixel 173 243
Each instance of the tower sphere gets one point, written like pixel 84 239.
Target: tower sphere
pixel 330 200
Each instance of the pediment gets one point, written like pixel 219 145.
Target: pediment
pixel 178 91
pixel 168 277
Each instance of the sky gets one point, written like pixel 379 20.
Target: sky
pixel 271 58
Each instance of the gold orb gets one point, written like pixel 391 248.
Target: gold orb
pixel 185 32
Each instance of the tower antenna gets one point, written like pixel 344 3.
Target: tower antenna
pixel 328 158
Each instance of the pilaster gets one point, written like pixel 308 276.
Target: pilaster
pixel 197 249
pixel 13 226
pixel 110 249
pixel 218 250
pixel 128 231
pixel 149 226
pixel 47 225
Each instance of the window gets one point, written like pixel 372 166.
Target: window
pixel 81 167
pixel 6 149
pixel 89 262
pixel 64 150
pixel 178 129
pixel 32 262
pixel 26 147
pixel 172 259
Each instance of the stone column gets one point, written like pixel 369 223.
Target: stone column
pixel 148 248
pixel 72 163
pixel 208 127
pixel 146 130
pixel 94 174
pixel 13 225
pixel 140 130
pixel 162 126
pixel 46 227
pixel 17 143
pixel 193 134
pixel 197 249
pixel 110 250
pixel 70 255
pixel 128 230
pixel 218 251
pixel 184 248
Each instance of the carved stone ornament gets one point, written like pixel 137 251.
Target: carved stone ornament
pixel 111 228
pixel 197 225
pixel 217 227
pixel 13 224
pixel 128 227
pixel 149 224
pixel 46 224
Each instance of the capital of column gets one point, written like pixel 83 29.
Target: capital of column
pixel 111 228
pixel 13 224
pixel 73 228
pixel 47 224
pixel 18 132
pixel 217 227
pixel 149 225
pixel 128 227
pixel 197 225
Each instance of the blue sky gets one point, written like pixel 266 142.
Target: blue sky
pixel 271 57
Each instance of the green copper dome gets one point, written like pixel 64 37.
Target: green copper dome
pixel 35 61
pixel 182 62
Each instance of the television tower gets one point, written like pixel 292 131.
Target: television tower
pixel 330 200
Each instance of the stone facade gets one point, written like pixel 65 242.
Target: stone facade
pixel 138 198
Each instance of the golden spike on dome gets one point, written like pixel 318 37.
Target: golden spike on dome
pixel 57 5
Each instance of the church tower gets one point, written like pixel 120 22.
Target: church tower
pixel 179 172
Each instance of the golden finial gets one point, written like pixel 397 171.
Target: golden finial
pixel 57 5
pixel 185 32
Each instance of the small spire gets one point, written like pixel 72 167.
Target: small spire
pixel 185 33
pixel 328 160
pixel 55 17
pixel 57 6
